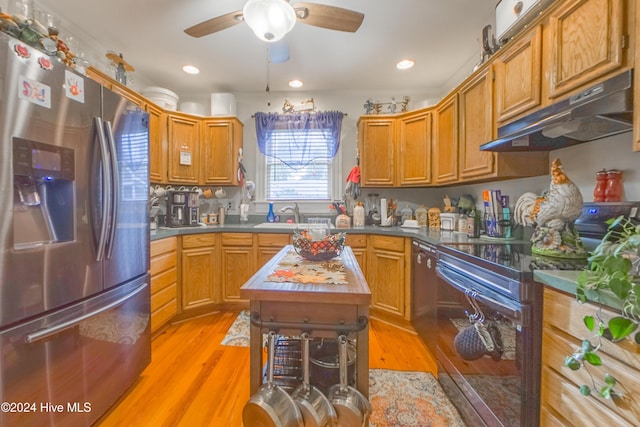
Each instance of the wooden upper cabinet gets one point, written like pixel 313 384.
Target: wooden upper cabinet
pixel 100 77
pixel 518 76
pixel 376 143
pixel 157 144
pixel 129 94
pixel 414 150
pixel 221 141
pixel 445 143
pixel 586 42
pixel 476 126
pixel 183 139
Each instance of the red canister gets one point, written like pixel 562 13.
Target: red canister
pixel 613 192
pixel 601 186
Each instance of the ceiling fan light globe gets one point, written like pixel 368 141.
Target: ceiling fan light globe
pixel 270 20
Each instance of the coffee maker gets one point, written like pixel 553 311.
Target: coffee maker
pixel 182 208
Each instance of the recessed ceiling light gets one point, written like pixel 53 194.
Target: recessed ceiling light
pixel 190 69
pixel 405 64
pixel 295 83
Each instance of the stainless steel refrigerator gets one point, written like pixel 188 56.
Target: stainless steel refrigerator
pixel 74 242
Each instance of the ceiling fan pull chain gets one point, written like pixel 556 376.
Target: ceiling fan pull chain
pixel 268 77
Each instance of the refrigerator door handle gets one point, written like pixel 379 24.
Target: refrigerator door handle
pixel 41 334
pixel 106 188
pixel 115 193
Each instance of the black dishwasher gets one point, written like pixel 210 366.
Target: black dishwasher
pixel 424 293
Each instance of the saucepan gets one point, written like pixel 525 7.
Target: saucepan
pixel 324 368
pixel 316 408
pixel 352 407
pixel 271 405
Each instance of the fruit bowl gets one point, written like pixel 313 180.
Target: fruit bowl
pixel 318 250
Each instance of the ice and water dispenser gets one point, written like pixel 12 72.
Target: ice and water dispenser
pixel 43 200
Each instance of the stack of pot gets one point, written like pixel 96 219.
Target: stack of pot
pixel 324 399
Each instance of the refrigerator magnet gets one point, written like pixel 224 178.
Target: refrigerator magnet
pixel 74 86
pixel 34 92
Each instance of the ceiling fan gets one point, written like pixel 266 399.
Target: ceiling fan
pixel 256 13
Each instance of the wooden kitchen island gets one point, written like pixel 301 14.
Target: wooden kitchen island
pixel 325 310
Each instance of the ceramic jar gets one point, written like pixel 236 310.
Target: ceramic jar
pixel 613 193
pixel 601 186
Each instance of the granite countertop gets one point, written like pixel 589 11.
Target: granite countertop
pixel 562 280
pixel 566 281
pixel 433 236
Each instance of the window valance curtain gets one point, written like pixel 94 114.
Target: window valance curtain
pixel 300 133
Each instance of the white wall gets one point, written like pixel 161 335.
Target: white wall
pixel 581 162
pixel 350 103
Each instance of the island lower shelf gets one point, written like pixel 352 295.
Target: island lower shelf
pixel 323 310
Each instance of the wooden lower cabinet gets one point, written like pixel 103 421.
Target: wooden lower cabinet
pixel 269 245
pixel 358 243
pixel 164 281
pixel 388 261
pixel 199 272
pixel 237 264
pixel 213 267
pixel 562 404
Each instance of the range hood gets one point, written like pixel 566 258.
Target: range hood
pixel 603 110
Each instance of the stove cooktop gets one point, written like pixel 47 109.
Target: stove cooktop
pixel 512 260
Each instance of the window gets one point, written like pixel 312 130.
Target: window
pixel 299 154
pixel 310 182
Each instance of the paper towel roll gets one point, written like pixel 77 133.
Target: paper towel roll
pixel 383 211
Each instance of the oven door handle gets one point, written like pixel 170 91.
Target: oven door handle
pixel 492 299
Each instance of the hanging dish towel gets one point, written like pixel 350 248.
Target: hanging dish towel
pixel 352 188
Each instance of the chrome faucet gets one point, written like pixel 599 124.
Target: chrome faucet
pixel 295 210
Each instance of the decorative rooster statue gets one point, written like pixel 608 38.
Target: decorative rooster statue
pixel 554 214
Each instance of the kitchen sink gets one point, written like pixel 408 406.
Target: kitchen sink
pixel 284 225
pixel 287 225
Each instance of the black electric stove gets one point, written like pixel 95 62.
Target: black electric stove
pixel 505 267
pixel 495 280
pixel 508 267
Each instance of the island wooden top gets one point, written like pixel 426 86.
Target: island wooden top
pixel 356 291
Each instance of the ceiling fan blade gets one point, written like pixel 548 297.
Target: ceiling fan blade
pixel 216 24
pixel 278 52
pixel 330 17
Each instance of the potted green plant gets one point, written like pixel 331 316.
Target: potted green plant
pixel 613 275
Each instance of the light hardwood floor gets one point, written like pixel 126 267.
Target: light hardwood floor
pixel 194 381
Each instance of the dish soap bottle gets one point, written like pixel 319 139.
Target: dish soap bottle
pixel 473 223
pixel 271 217
pixel 462 222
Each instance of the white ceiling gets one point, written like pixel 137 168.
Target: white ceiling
pixel 442 36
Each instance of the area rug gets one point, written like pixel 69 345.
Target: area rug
pixel 406 399
pixel 238 333
pixel 398 398
pixel 507 332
